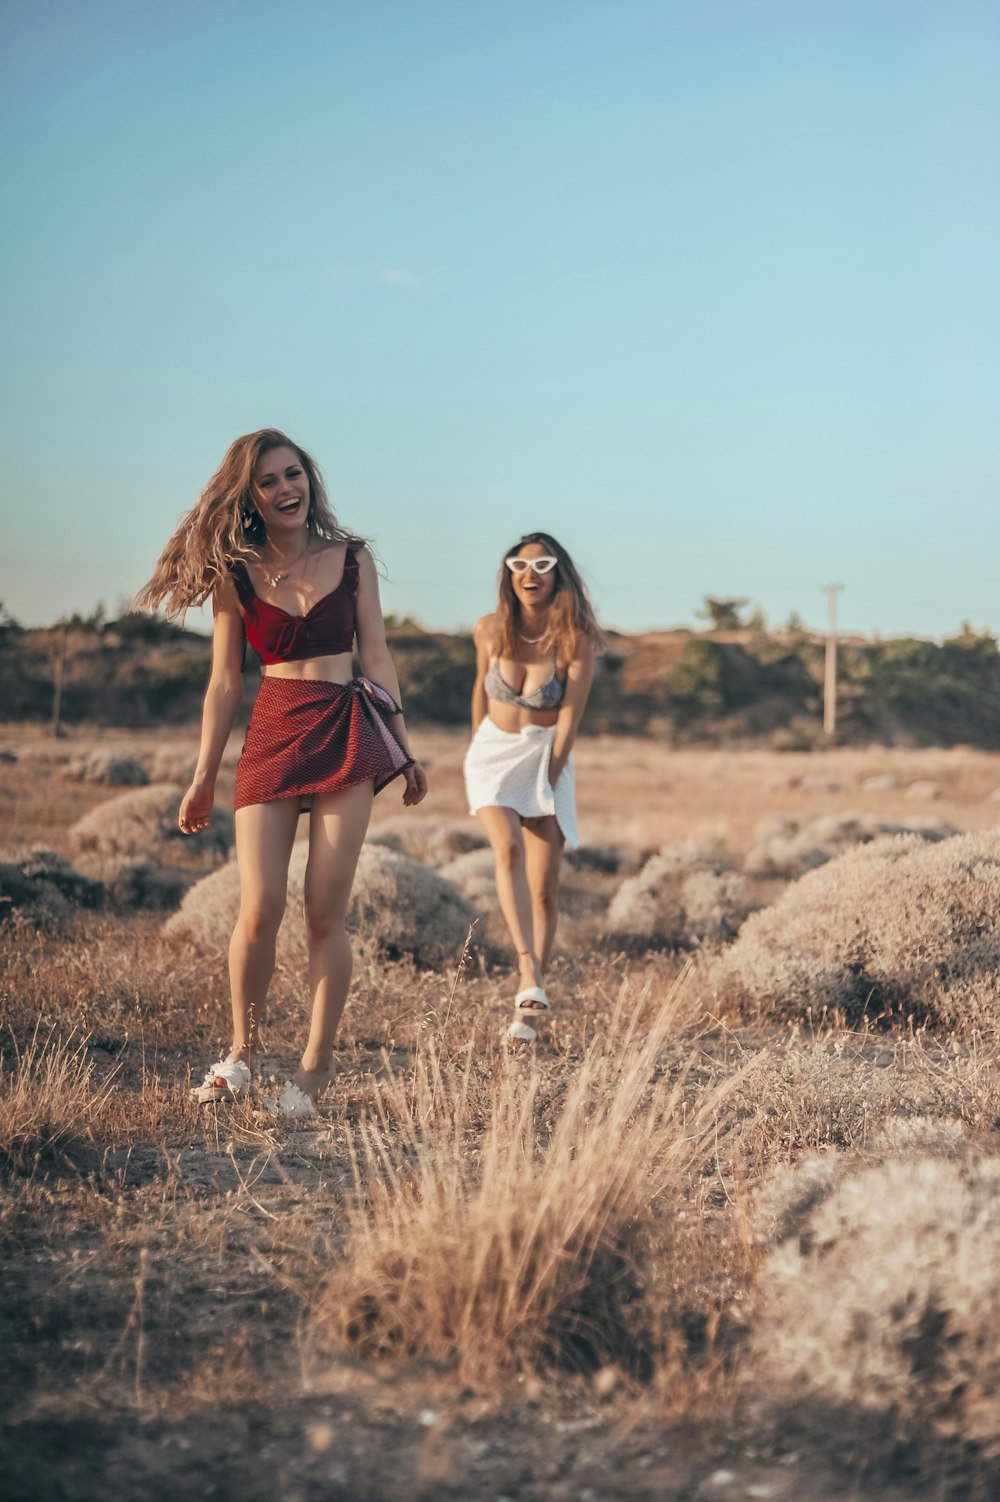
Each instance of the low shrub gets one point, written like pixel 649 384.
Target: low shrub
pixel 401 905
pixel 144 823
pixel 474 876
pixel 684 894
pixel 107 768
pixel 45 887
pixel 883 1295
pixel 792 846
pixel 899 927
pixel 435 841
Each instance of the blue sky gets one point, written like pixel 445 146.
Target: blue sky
pixel 707 289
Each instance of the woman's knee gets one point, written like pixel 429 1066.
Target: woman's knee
pixel 323 921
pixel 509 855
pixel 261 914
pixel 546 893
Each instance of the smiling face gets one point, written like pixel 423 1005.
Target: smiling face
pixel 534 591
pixel 281 493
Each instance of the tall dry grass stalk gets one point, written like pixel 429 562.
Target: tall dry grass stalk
pixel 516 1245
pixel 48 1098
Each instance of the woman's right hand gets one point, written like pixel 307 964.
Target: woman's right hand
pixel 196 807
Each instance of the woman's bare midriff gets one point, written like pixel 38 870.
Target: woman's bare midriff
pixel 512 718
pixel 336 669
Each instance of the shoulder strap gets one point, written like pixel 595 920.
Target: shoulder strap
pixel 241 578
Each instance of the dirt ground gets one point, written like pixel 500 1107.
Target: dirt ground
pixel 154 1321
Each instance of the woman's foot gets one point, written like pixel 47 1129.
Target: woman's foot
pixel 298 1097
pixel 529 972
pixel 227 1080
pixel 529 1002
pixel 313 1082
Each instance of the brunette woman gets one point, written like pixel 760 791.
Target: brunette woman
pixel 282 574
pixel 534 667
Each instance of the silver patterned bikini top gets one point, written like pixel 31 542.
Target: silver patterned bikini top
pixel 549 696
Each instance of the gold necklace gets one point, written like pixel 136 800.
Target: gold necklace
pixel 274 579
pixel 531 640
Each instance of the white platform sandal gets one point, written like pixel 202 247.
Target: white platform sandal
pixel 293 1104
pixel 228 1080
pixel 527 1003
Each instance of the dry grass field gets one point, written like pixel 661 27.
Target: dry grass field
pixel 730 1228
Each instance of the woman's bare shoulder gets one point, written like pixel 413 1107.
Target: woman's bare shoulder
pixel 486 630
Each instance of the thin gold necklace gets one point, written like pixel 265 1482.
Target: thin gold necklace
pixel 274 579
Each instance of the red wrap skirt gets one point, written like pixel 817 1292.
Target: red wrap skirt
pixel 314 736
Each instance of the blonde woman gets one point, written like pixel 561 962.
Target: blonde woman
pixel 534 667
pixel 264 546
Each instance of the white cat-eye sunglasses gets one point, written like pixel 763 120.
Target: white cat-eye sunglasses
pixel 539 565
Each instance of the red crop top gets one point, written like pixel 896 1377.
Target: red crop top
pixel 324 631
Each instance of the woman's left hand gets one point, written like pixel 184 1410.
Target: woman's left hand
pixel 416 784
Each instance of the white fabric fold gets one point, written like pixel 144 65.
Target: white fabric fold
pixel 511 769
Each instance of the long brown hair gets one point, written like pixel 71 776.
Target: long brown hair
pixel 224 526
pixel 570 613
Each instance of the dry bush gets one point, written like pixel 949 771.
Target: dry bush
pixel 106 767
pixel 885 1296
pixel 790 1192
pixel 45 887
pixel 791 846
pixel 427 838
pixel 169 765
pixel 138 885
pixel 684 894
pixel 896 927
pixel 605 859
pixel 47 1098
pixel 144 824
pixel 505 1245
pixel 402 906
pixel 474 876
pixel 924 789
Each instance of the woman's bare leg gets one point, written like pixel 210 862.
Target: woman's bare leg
pixel 504 832
pixel 337 828
pixel 543 847
pixel 265 833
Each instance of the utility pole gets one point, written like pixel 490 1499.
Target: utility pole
pixel 57 687
pixel 830 674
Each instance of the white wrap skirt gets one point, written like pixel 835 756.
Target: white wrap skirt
pixel 511 768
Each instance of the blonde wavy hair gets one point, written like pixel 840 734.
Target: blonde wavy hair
pixel 224 527
pixel 570 613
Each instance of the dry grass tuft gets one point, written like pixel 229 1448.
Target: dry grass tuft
pixel 899 927
pixel 48 1098
pixel 684 894
pixel 520 1249
pixel 885 1296
pixel 403 907
pixel 144 823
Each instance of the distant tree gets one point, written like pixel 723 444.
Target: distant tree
pixel 724 614
pixel 95 622
pixel 8 625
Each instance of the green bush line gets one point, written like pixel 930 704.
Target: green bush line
pixel 744 685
